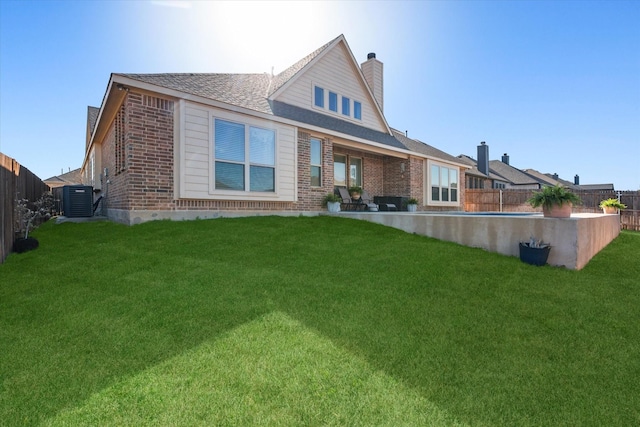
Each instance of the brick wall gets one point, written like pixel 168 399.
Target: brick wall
pixel 149 147
pixel 146 181
pixel 372 170
pixel 396 183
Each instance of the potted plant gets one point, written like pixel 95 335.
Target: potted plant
pixel 355 191
pixel 534 252
pixel 332 202
pixel 412 205
pixel 612 206
pixel 556 201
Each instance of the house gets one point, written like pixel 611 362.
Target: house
pixel 189 145
pixel 485 173
pixel 72 177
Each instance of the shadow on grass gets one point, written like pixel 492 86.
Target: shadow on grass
pixel 101 309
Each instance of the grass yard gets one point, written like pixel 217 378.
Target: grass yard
pixel 311 321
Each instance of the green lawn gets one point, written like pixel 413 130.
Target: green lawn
pixel 311 321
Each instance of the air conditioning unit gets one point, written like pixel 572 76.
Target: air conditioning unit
pixel 77 201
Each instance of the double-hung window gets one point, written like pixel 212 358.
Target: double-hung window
pixel 443 184
pixel 316 162
pixel 244 157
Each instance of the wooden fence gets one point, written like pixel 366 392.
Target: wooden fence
pixel 16 182
pixel 513 200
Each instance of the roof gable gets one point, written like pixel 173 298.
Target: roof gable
pixel 334 69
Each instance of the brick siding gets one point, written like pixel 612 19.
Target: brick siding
pixel 146 181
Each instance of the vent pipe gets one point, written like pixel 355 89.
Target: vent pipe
pixel 483 158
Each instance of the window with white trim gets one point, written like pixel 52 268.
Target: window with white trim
pixel 318 96
pixel 442 184
pixel 333 102
pixel 244 157
pixel 357 110
pixel 346 106
pixel 316 162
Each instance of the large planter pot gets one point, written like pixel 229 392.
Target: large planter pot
pixel 609 210
pixel 333 207
pixel 412 208
pixel 534 256
pixel 558 211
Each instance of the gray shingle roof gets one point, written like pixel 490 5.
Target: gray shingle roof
pixel 314 118
pixel 251 91
pixel 244 90
pixel 92 118
pixel 283 77
pixel 422 148
pixel 511 174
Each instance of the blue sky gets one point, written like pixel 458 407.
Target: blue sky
pixel 555 84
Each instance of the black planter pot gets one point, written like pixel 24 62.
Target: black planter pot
pixel 534 256
pixel 24 245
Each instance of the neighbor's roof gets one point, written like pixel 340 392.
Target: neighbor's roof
pixel 511 174
pixel 71 177
pixel 546 179
pixel 592 187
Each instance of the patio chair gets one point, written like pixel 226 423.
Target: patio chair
pixel 368 200
pixel 348 204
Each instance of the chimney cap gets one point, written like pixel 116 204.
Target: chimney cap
pixel 371 55
pixel 482 143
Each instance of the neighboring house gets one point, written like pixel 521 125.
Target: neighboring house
pixel 187 145
pixel 73 177
pixel 485 173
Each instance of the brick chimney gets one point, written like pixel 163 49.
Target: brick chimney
pixel 483 158
pixel 372 70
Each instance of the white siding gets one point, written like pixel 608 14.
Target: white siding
pixel 335 71
pixel 197 158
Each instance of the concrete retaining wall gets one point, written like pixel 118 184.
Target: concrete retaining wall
pixel 574 240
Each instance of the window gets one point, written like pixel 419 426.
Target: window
pixel 316 162
pixel 355 171
pixel 244 154
pixel 333 102
pixel 346 104
pixel 339 171
pixel 318 96
pixel 443 184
